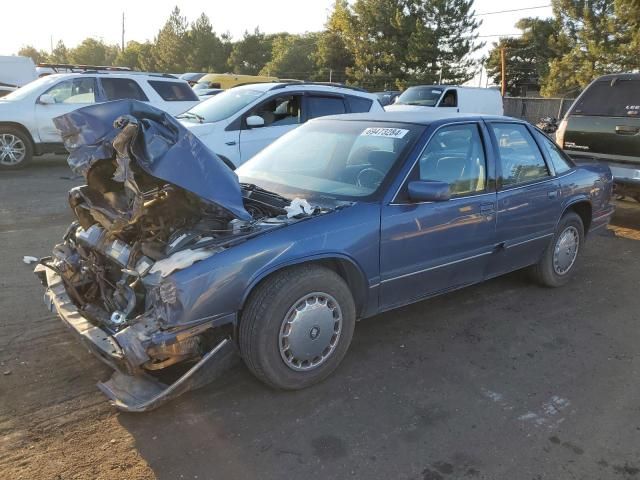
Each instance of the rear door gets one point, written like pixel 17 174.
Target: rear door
pixel 604 122
pixel 529 198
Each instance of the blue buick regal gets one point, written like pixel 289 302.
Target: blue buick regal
pixel 175 263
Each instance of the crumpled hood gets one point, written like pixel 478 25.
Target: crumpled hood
pixel 163 148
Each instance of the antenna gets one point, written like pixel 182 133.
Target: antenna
pixel 123 31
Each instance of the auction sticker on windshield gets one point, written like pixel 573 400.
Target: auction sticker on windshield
pixel 384 132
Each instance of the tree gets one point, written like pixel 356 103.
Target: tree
pixel 592 34
pixel 206 50
pixel 332 56
pixel 250 55
pixel 527 56
pixel 444 37
pixel 93 52
pixel 171 45
pixel 60 54
pixel 38 56
pixel 292 56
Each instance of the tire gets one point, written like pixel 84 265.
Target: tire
pixel 271 314
pixel 16 149
pixel 557 265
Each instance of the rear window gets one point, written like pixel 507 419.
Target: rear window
pixel 321 106
pixel 358 104
pixel 122 88
pixel 174 91
pixel 602 99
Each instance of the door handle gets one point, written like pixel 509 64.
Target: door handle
pixel 627 130
pixel 487 208
pixel 231 143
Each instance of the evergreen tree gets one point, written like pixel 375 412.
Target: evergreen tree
pixel 249 55
pixel 38 56
pixel 589 31
pixel 60 54
pixel 292 56
pixel 527 56
pixel 206 52
pixel 171 44
pixel 93 52
pixel 332 56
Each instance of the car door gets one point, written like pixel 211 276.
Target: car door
pixel 431 247
pixel 68 95
pixel 449 101
pixel 280 113
pixel 529 203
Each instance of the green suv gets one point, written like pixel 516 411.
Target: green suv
pixel 603 125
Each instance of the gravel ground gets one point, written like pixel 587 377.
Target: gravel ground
pixel 504 380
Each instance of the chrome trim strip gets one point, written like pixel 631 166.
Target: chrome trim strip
pixel 530 240
pixel 465 197
pixel 436 267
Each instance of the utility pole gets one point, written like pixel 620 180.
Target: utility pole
pixel 481 68
pixel 123 31
pixel 330 75
pixel 503 68
pixel 51 43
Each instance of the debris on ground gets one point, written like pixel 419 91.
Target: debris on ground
pixel 29 259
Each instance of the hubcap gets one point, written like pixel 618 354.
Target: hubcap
pixel 310 331
pixel 12 149
pixel 566 250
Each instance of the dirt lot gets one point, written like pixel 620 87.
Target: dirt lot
pixel 504 380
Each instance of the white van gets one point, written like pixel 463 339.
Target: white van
pixel 486 101
pixel 15 72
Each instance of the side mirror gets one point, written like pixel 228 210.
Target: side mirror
pixel 46 99
pixel 255 121
pixel 429 191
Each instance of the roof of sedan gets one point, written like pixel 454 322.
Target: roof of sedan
pixel 419 118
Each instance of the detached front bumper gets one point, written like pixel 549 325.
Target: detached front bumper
pixel 130 388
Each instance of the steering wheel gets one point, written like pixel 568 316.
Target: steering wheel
pixel 369 178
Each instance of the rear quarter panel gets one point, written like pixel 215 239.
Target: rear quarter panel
pixel 589 183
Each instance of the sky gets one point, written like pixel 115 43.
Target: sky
pixel 143 18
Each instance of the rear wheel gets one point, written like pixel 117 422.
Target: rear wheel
pixel 16 149
pixel 557 264
pixel 297 327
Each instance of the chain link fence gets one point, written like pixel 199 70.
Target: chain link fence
pixel 533 109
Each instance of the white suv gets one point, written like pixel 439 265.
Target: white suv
pixel 239 122
pixel 26 126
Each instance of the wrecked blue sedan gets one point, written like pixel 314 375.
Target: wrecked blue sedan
pixel 176 265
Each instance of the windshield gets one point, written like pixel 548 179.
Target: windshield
pixel 222 106
pixel 29 88
pixel 423 96
pixel 342 160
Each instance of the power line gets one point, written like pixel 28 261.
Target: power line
pixel 513 10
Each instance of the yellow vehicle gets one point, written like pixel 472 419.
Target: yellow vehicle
pixel 228 80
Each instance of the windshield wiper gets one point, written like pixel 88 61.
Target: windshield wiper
pixel 255 188
pixel 200 118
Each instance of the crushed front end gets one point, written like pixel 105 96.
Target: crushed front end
pixel 155 202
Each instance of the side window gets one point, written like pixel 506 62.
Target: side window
pixel 278 111
pixel 122 88
pixel 455 155
pixel 77 90
pixel 558 160
pixel 520 157
pixel 174 91
pixel 322 106
pixel 450 99
pixel 358 104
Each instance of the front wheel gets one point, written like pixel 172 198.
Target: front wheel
pixel 297 327
pixel 557 264
pixel 16 149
